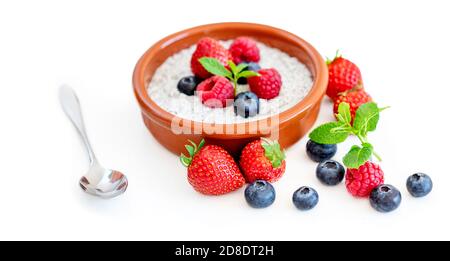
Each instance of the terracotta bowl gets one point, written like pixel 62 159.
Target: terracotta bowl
pixel 291 125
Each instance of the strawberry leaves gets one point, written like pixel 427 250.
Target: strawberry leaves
pixel 214 66
pixel 366 120
pixel 192 150
pixel 273 152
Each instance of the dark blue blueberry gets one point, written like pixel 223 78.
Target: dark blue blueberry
pixel 253 67
pixel 330 172
pixel 305 198
pixel 320 152
pixel 385 198
pixel 246 104
pixel 188 84
pixel 419 185
pixel 250 67
pixel 260 194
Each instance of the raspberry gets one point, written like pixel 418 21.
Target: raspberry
pixel 360 182
pixel 267 85
pixel 216 92
pixel 354 99
pixel 208 47
pixel 244 49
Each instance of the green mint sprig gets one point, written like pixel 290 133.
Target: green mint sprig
pixel 213 66
pixel 366 120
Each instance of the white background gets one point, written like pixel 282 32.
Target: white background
pixel 402 48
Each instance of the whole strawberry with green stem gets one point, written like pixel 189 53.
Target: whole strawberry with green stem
pixel 211 169
pixel 262 159
pixel 343 76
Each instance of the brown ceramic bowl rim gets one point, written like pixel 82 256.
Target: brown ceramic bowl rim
pixel 314 95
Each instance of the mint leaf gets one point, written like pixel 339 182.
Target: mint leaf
pixel 233 67
pixel 247 74
pixel 344 113
pixel 357 156
pixel 241 67
pixel 330 133
pixel 366 118
pixel 213 66
pixel 342 128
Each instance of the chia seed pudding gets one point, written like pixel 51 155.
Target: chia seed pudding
pixel 296 83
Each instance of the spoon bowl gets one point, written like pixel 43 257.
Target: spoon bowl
pixel 104 183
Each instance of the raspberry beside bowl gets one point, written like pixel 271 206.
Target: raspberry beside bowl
pixel 292 123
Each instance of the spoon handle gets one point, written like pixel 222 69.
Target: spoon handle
pixel 71 107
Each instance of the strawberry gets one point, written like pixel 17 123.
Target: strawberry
pixel 343 75
pixel 354 99
pixel 267 85
pixel 244 49
pixel 262 159
pixel 361 181
pixel 208 47
pixel 216 92
pixel 211 169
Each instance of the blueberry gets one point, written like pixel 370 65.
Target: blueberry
pixel 253 67
pixel 305 198
pixel 246 104
pixel 320 152
pixel 419 185
pixel 250 67
pixel 330 172
pixel 385 198
pixel 188 84
pixel 260 194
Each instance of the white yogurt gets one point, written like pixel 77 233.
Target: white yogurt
pixel 296 79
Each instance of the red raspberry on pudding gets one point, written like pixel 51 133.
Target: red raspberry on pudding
pixel 208 47
pixel 267 85
pixel 244 49
pixel 216 92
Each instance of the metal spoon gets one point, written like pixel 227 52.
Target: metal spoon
pixel 98 181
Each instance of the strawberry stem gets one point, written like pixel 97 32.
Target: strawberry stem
pixel 192 149
pixel 273 152
pixel 337 55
